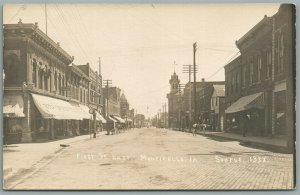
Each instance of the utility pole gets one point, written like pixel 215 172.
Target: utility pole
pixel 180 88
pixel 188 69
pixel 108 84
pixel 195 96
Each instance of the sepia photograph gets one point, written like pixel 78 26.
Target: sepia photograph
pixel 141 96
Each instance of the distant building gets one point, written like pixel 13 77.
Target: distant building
pixel 95 93
pixel 181 109
pixel 125 112
pixel 201 112
pixel 139 120
pixel 205 91
pixel 124 106
pixel 173 102
pixel 218 107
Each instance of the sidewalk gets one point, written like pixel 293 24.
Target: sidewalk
pixel 19 158
pixel 277 144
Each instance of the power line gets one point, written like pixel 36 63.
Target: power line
pixel 68 28
pixel 223 65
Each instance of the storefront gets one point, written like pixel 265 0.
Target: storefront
pixel 13 118
pixel 54 118
pixel 120 122
pixel 246 115
pixel 280 108
pixel 100 122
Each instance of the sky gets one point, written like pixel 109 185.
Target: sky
pixel 140 45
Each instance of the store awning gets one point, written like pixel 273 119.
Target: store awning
pixel 86 110
pixel 129 120
pixel 244 103
pixel 119 119
pixel 100 117
pixel 13 106
pixel 112 119
pixel 83 114
pixel 52 108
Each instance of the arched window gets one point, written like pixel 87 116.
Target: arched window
pixel 41 74
pixel 11 70
pixel 34 67
pixel 62 83
pixel 55 81
pixel 59 84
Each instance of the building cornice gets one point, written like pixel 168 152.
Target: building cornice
pixel 33 32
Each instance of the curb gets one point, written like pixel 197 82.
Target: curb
pixel 270 147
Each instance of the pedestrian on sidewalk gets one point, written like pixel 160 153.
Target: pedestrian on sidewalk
pixel 194 130
pixel 245 124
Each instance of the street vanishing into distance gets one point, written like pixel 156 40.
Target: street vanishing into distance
pixel 157 158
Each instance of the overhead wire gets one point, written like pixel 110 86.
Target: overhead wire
pixel 69 29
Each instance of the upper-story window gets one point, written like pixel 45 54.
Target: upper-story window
pixel 55 81
pixel 269 65
pixel 251 73
pixel 10 68
pixel 59 84
pixel 237 82
pixel 244 70
pixel 34 69
pixel 259 69
pixel 229 84
pixel 41 75
pixel 232 83
pixel 280 54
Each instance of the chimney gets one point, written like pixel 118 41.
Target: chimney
pixel 203 80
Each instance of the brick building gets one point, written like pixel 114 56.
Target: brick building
pixel 95 92
pixel 205 91
pixel 43 92
pixel 35 71
pixel 113 106
pixel 259 83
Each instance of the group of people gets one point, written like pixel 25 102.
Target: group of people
pixel 117 129
pixel 198 126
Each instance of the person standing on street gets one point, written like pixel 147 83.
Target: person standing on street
pixel 245 124
pixel 194 129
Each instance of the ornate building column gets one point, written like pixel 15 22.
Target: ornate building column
pixel 26 128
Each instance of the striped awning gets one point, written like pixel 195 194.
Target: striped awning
pixel 100 117
pixel 13 106
pixel 119 119
pixel 112 119
pixel 53 108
